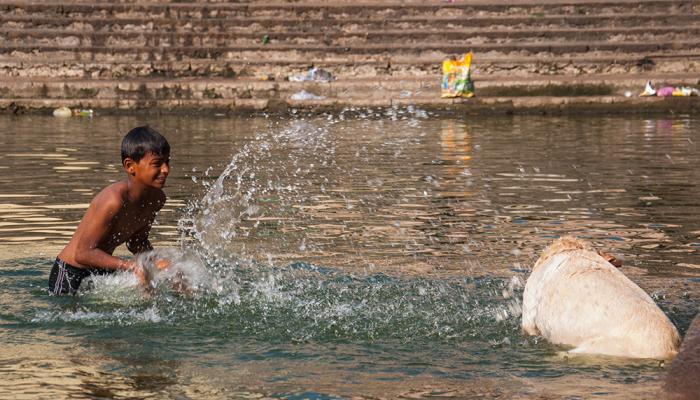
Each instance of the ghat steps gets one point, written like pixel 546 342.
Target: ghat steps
pixel 216 54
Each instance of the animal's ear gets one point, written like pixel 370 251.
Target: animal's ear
pixel 611 259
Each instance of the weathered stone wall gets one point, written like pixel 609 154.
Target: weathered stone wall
pixel 240 55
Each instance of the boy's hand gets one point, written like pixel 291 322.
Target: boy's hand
pixel 140 274
pixel 137 270
pixel 162 264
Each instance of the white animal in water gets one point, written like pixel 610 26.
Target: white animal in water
pixel 576 297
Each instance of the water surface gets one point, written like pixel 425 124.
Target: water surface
pixel 380 254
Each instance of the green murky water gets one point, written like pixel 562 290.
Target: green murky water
pixel 379 255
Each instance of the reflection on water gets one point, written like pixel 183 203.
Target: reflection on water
pixel 375 257
pixel 456 153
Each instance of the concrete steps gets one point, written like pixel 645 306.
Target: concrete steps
pixel 337 9
pixel 495 105
pixel 403 88
pixel 72 65
pixel 386 52
pixel 322 52
pixel 465 36
pixel 348 24
pixel 616 39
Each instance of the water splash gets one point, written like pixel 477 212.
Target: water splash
pixel 262 182
pixel 268 180
pixel 171 269
pixel 303 302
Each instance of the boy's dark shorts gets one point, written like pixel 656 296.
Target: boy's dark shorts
pixel 65 278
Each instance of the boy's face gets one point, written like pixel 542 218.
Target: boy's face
pixel 151 170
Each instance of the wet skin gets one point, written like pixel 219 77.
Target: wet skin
pixel 123 212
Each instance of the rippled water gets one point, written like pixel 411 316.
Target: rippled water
pixel 372 254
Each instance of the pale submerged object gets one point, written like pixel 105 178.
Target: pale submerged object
pixel 62 112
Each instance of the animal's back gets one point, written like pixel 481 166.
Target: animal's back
pixel 583 301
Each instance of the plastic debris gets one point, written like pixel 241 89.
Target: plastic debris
pixel 62 112
pixel 648 90
pixel 456 77
pixel 304 95
pixel 668 91
pixel 65 112
pixel 314 74
pixel 83 112
pixel 686 91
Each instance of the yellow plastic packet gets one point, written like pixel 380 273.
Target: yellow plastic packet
pixel 456 77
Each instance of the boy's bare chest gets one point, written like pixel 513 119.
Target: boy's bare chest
pixel 129 221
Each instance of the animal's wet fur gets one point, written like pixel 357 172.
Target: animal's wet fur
pixel 565 243
pixel 575 296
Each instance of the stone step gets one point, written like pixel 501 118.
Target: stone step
pixel 275 23
pixel 210 55
pixel 80 38
pixel 339 9
pixel 281 68
pixel 319 52
pixel 474 106
pixel 375 89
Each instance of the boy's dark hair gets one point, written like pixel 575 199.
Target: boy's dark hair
pixel 143 140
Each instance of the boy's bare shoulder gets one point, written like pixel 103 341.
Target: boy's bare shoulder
pixel 112 197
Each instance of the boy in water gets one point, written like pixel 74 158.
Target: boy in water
pixel 123 212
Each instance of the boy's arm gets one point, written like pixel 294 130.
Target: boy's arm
pixel 96 226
